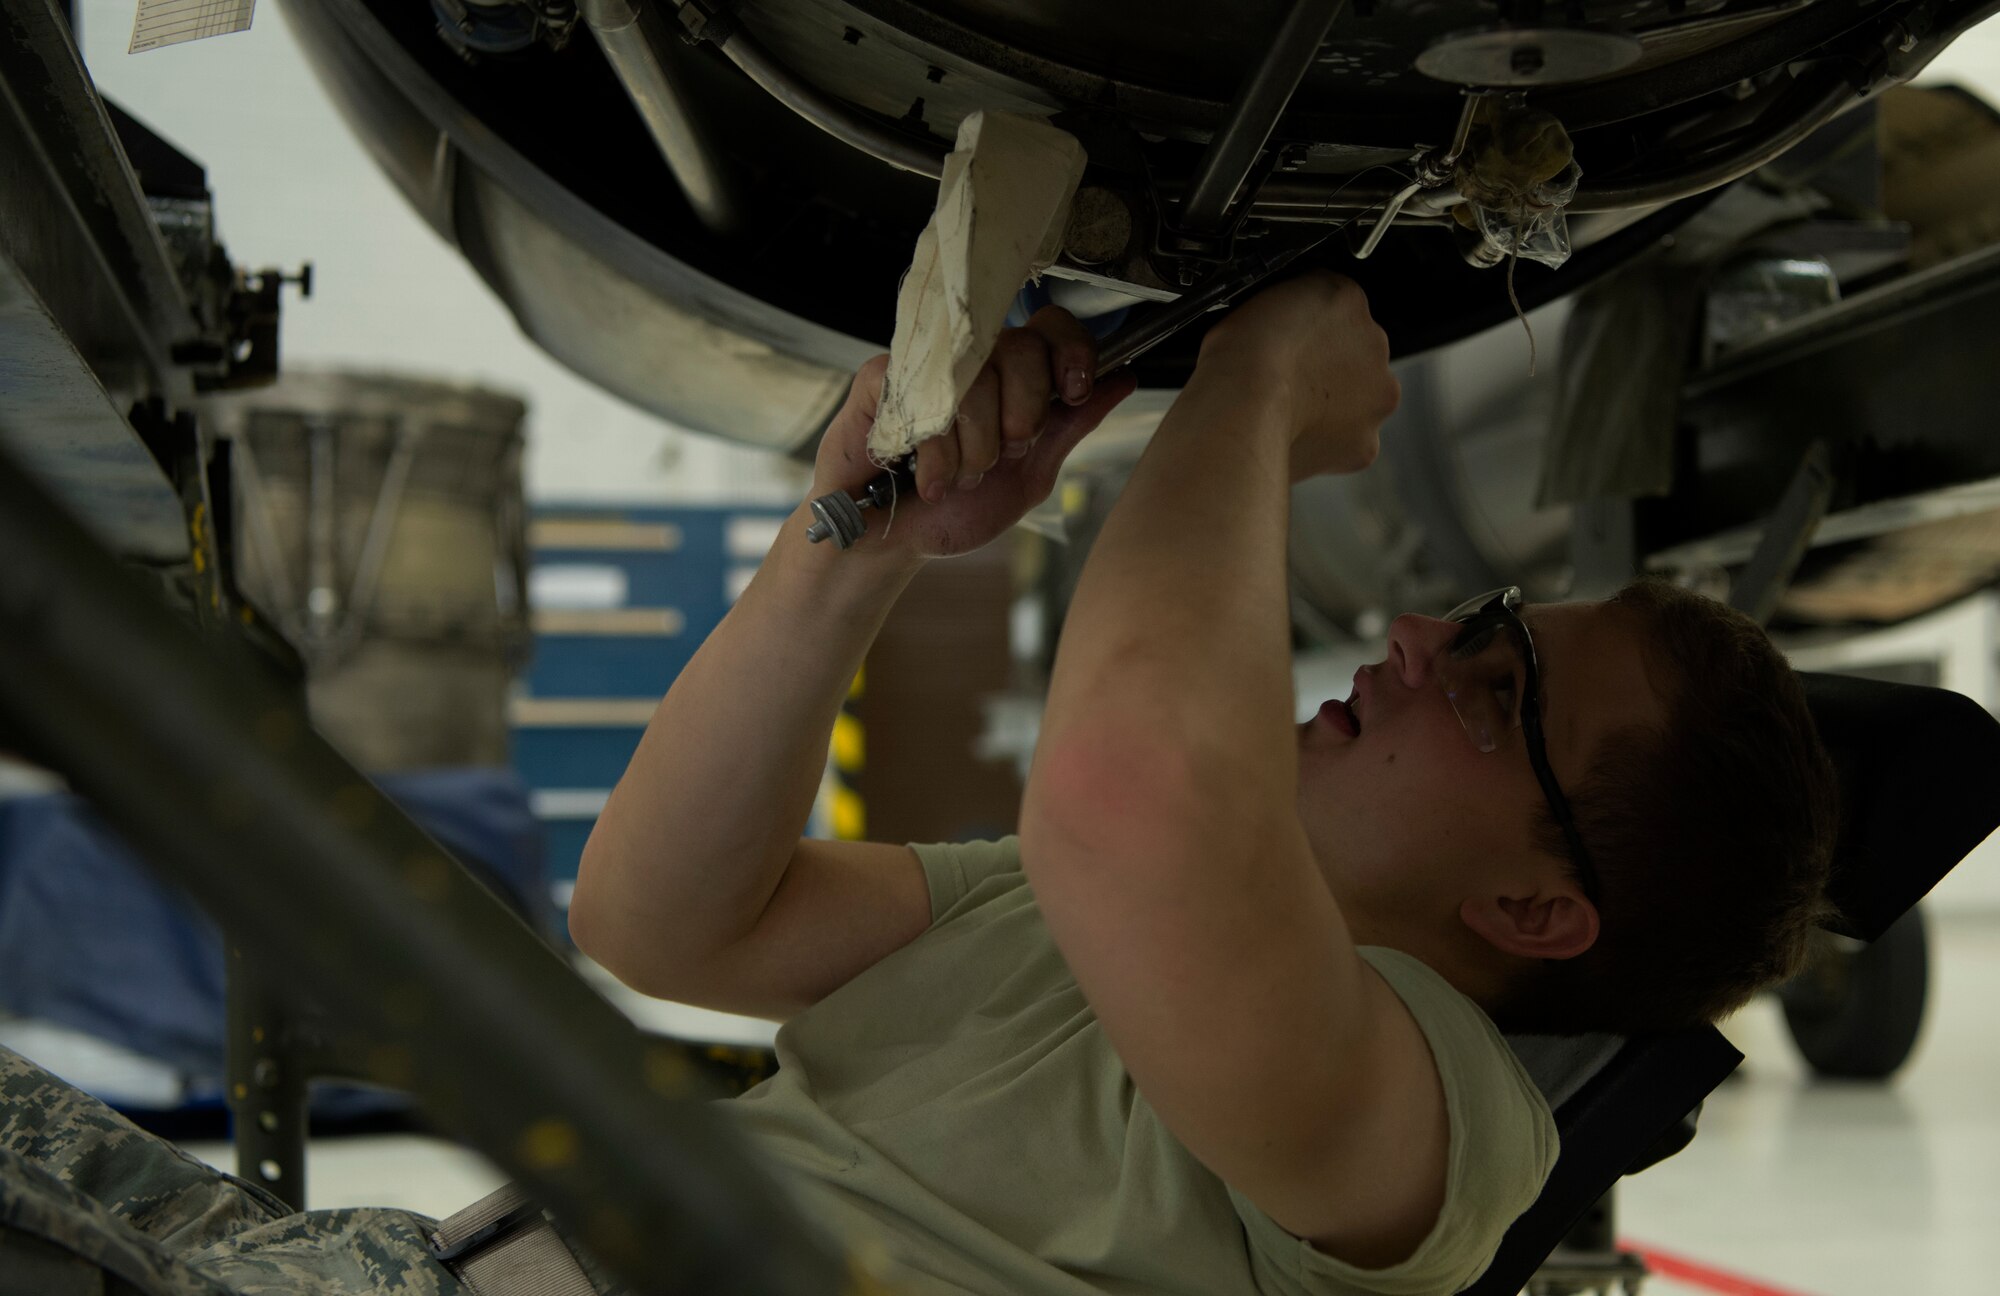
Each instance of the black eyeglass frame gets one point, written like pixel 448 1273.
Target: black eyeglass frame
pixel 1501 608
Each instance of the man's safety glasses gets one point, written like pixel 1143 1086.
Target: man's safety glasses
pixel 1488 671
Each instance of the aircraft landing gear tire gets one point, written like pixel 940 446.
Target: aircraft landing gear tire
pixel 1855 1011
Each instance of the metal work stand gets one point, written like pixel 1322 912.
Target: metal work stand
pixel 1589 1259
pixel 269 1076
pixel 209 767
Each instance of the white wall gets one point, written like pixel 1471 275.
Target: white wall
pixel 1973 61
pixel 292 185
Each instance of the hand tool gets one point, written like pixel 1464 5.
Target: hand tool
pixel 837 515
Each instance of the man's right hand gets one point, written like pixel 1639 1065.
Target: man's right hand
pixel 696 884
pixel 1311 344
pixel 999 459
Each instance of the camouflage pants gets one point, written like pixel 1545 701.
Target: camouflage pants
pixel 84 1192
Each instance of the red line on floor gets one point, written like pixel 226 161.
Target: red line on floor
pixel 1683 1269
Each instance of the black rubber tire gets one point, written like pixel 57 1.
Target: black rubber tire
pixel 1855 1013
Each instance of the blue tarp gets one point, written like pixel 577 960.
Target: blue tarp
pixel 90 939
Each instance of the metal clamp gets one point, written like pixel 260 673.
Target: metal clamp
pixel 503 1245
pixel 1433 167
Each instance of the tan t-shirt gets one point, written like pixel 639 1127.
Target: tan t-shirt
pixel 957 1108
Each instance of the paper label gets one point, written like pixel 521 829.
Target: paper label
pixel 173 22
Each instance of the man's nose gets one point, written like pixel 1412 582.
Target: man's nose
pixel 1414 643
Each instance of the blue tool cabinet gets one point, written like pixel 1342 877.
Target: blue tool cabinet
pixel 621 597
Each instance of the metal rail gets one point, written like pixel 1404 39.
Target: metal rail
pixel 208 766
pixel 629 32
pixel 90 304
pixel 1967 285
pixel 1260 100
pixel 1890 48
pixel 1900 377
pixel 71 170
pixel 838 119
pixel 1809 106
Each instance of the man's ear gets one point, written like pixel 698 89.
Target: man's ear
pixel 1556 924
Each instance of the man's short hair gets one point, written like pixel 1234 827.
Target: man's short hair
pixel 1712 838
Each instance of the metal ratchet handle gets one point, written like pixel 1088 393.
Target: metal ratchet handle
pixel 1141 336
pixel 837 516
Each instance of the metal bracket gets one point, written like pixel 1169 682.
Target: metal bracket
pixel 1602 1274
pixel 1260 99
pixel 1787 536
pixel 1433 168
pixel 705 21
pixel 268 1082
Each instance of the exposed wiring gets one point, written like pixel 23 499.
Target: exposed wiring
pixel 1404 179
pixel 1514 259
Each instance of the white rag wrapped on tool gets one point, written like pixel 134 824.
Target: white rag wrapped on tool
pixel 1002 206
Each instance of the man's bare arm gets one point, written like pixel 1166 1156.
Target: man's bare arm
pixel 1160 832
pixel 697 836
pixel 696 884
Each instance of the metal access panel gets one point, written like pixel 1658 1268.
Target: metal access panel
pixel 1899 381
